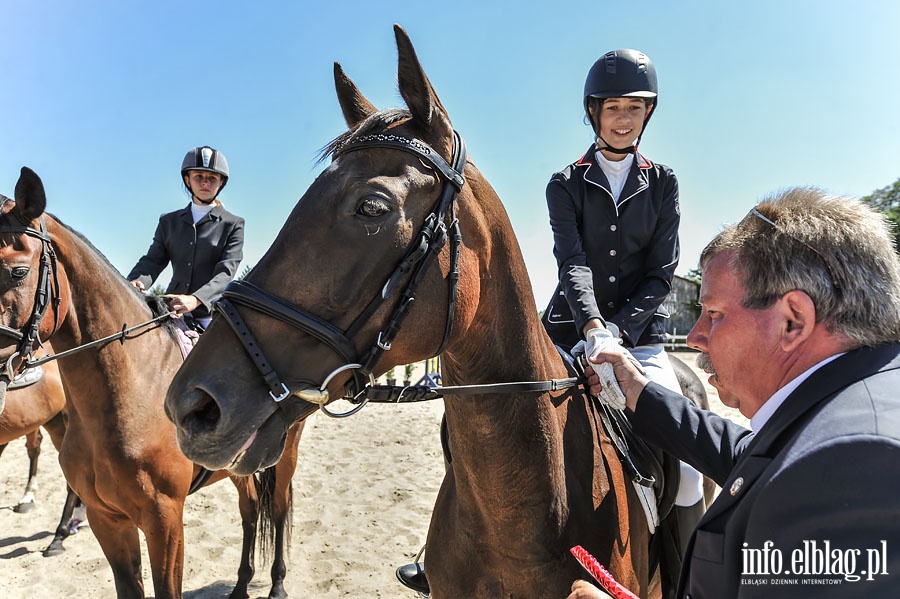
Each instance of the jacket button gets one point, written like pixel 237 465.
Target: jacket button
pixel 611 304
pixel 612 252
pixel 612 279
pixel 612 227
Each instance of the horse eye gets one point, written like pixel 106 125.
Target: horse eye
pixel 373 207
pixel 19 272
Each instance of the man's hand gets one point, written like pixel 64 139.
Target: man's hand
pixel 596 340
pixel 137 284
pixel 626 381
pixel 609 391
pixel 585 590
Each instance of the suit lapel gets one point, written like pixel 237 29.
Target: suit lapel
pixel 185 215
pixel 821 385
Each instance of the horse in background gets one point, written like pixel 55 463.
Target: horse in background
pixel 534 472
pixel 40 403
pixel 119 453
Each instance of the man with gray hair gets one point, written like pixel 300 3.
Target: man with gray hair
pixel 799 330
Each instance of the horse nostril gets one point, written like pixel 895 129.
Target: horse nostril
pixel 204 414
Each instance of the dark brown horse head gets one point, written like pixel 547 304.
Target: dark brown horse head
pixel 29 299
pixel 336 256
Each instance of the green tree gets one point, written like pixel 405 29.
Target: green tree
pixel 695 275
pixel 887 201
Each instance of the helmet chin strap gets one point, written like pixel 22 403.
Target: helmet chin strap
pixel 195 197
pixel 612 150
pixel 621 151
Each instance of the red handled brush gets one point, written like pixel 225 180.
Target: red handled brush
pixel 600 574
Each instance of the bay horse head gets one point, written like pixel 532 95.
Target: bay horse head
pixel 32 301
pixel 373 244
pixel 400 250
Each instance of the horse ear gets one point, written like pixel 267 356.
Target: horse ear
pixel 31 201
pixel 416 89
pixel 354 105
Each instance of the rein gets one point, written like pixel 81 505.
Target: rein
pixel 121 336
pixel 414 393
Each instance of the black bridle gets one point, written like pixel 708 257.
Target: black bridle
pixel 46 293
pixel 439 226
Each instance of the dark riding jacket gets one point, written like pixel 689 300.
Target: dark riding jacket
pixel 616 262
pixel 204 257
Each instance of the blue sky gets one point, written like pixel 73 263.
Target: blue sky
pixel 103 98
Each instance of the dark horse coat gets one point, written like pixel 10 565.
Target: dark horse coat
pixel 818 481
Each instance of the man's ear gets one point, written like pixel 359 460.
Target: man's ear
pixel 798 313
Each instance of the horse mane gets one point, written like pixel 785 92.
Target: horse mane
pixel 374 123
pixel 158 307
pixel 155 303
pixel 84 240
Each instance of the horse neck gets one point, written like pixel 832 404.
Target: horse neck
pixel 501 339
pixel 503 319
pixel 100 301
pixel 516 458
pixel 100 304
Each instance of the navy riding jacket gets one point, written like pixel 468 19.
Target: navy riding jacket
pixel 616 262
pixel 204 257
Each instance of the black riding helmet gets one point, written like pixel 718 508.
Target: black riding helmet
pixel 205 158
pixel 622 74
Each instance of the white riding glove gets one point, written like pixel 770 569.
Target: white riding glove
pixel 597 340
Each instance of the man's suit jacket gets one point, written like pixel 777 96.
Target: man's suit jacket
pixel 824 469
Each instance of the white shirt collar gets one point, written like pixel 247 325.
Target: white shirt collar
pixel 199 212
pixel 766 411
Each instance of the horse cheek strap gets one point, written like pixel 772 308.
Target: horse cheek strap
pixel 429 243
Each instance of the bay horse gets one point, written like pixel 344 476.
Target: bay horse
pixel 345 293
pixel 28 408
pixel 119 452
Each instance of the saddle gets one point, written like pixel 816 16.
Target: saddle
pixel 29 377
pixel 188 331
pixel 655 475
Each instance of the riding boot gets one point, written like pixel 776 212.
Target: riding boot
pixel 413 577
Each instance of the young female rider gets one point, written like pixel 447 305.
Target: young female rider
pixel 203 241
pixel 615 216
